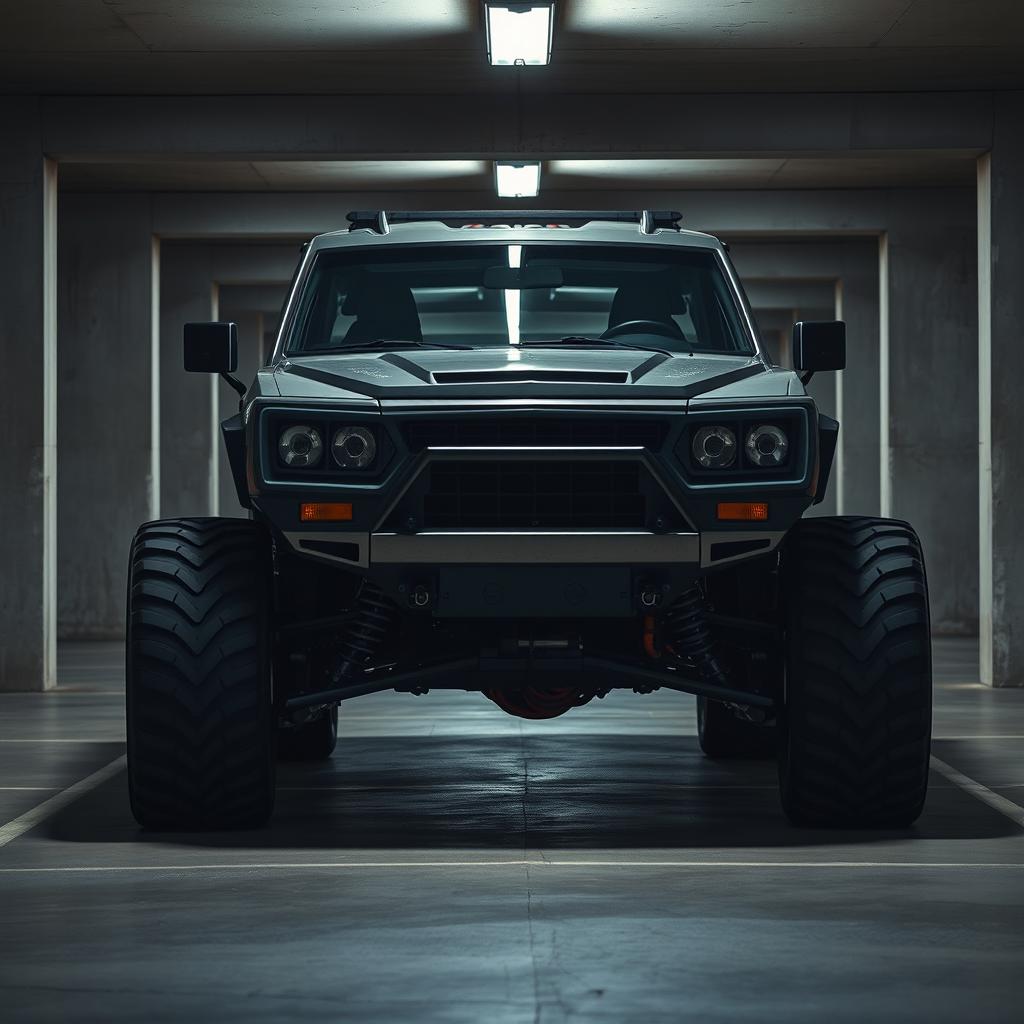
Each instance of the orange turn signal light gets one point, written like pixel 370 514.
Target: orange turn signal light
pixel 325 511
pixel 750 511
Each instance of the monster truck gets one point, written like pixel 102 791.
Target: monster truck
pixel 539 455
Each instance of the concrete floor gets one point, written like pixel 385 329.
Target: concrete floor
pixel 453 864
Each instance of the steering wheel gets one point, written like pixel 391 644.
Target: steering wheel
pixel 666 330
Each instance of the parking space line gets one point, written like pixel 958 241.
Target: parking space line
pixel 60 739
pixel 520 862
pixel 1007 808
pixel 48 808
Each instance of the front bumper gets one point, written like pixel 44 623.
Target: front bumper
pixel 533 547
pixel 389 529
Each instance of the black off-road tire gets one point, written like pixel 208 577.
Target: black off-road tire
pixel 200 714
pixel 312 741
pixel 723 736
pixel 856 729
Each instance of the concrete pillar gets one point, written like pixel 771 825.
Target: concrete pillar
pixel 250 351
pixel 929 406
pixel 107 409
pixel 28 424
pixel 1001 378
pixel 189 402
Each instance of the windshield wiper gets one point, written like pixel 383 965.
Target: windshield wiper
pixel 393 343
pixel 581 339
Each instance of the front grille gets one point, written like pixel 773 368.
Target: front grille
pixel 534 494
pixel 527 431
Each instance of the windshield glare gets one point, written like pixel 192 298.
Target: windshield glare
pixel 466 295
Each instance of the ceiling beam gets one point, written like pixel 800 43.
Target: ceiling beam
pixel 473 125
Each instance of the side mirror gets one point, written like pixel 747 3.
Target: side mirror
pixel 819 345
pixel 211 348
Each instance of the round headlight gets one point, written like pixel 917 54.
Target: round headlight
pixel 767 445
pixel 354 447
pixel 300 447
pixel 714 447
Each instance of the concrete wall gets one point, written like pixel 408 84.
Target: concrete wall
pixel 189 402
pixel 107 366
pixel 929 414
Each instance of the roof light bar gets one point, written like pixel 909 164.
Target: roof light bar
pixel 517 180
pixel 519 34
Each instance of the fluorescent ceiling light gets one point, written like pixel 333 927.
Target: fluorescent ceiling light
pixel 517 180
pixel 519 33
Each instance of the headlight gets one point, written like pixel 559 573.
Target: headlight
pixel 767 445
pixel 300 447
pixel 354 447
pixel 714 447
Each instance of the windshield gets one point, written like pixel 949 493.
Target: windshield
pixel 495 295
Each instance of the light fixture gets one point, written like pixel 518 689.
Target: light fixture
pixel 517 180
pixel 714 447
pixel 519 34
pixel 300 447
pixel 767 445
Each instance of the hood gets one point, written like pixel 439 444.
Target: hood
pixel 519 372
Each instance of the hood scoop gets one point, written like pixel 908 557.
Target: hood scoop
pixel 500 376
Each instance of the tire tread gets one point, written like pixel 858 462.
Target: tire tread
pixel 857 733
pixel 200 720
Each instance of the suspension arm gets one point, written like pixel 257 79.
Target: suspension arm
pixel 675 680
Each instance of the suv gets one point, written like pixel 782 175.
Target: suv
pixel 540 460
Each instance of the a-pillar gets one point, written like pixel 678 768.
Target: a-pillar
pixel 189 402
pixel 1001 381
pixel 28 425
pixel 107 410
pixel 929 403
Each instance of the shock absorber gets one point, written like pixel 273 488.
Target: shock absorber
pixel 363 635
pixel 687 626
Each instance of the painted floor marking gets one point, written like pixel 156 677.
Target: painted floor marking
pixel 521 862
pixel 48 808
pixel 1007 808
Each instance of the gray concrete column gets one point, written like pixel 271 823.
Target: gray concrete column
pixel 189 402
pixel 28 424
pixel 1001 373
pixel 250 350
pixel 107 409
pixel 929 406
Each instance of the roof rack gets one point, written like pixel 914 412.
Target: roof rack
pixel 380 220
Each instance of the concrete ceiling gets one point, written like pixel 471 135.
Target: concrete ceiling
pixel 387 46
pixel 467 176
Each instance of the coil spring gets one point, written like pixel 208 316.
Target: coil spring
pixel 365 633
pixel 687 625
